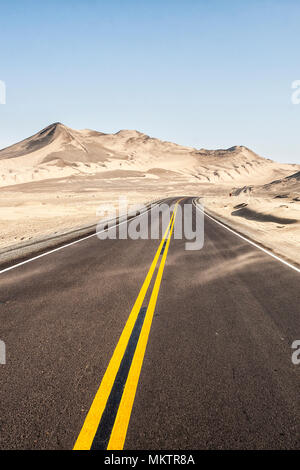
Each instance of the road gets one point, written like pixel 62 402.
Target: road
pixel 217 370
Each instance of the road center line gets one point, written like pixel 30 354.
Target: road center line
pixel 93 418
pixel 119 431
pixel 108 417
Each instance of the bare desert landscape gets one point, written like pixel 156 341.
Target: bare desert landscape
pixel 54 182
pixel 150 229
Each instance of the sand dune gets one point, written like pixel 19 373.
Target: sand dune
pixel 281 188
pixel 268 213
pixel 287 187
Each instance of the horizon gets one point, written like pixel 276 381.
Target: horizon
pixel 197 74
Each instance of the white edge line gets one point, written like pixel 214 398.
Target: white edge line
pixel 247 240
pixel 73 243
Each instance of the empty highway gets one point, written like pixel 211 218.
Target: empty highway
pixel 141 344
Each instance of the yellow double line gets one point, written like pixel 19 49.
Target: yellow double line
pixel 119 430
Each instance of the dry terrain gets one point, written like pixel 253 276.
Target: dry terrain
pixel 57 179
pixel 269 214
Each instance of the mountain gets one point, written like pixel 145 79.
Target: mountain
pixel 61 152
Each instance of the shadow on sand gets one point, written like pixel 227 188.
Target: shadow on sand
pixel 250 214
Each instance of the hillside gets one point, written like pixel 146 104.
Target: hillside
pixel 59 152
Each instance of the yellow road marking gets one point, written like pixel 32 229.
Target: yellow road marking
pixel 119 431
pixel 92 420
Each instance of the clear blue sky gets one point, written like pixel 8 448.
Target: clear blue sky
pixel 205 73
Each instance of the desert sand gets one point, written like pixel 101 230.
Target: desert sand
pixel 268 214
pixel 56 180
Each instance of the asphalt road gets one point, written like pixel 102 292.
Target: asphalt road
pixel 217 372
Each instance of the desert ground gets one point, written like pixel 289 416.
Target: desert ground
pixel 57 180
pixel 268 214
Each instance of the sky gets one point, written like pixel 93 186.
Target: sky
pixel 208 74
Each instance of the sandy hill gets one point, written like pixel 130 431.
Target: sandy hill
pixel 285 186
pixel 288 187
pixel 61 152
